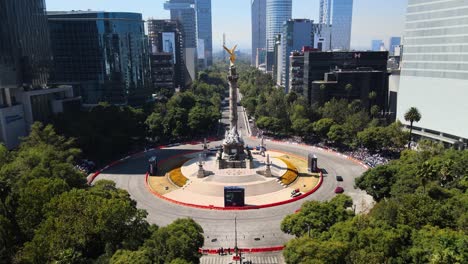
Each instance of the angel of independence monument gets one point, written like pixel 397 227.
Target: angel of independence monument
pixel 233 153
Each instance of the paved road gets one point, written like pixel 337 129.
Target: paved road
pixel 256 228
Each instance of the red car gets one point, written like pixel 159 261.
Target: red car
pixel 339 190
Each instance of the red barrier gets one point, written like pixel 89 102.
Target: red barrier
pixel 243 250
pixel 211 207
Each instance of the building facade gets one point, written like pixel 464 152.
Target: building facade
pixel 316 64
pixel 362 80
pixel 394 45
pixel 25 55
pixel 339 14
pixel 277 12
pixel 184 12
pixel 105 52
pixel 204 32
pixel 376 45
pixel 165 36
pixel 322 36
pixel 258 19
pixel 296 34
pixel 25 60
pixel 434 73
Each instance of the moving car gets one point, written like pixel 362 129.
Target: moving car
pixel 339 178
pixel 339 190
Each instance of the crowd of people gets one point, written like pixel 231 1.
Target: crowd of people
pixel 372 160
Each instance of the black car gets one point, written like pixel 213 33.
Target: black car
pixel 339 178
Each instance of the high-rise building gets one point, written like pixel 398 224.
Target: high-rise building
pixel 105 52
pixel 25 54
pixel 25 59
pixel 322 36
pixel 296 34
pixel 184 12
pixel 376 45
pixel 434 73
pixel 165 36
pixel 277 12
pixel 204 32
pixel 258 9
pixel 393 45
pixel 317 64
pixel 339 14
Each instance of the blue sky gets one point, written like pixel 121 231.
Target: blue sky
pixel 372 19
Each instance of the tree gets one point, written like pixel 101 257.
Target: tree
pixel 378 181
pixel 322 127
pixel 412 115
pixel 306 250
pixel 128 256
pixel 91 222
pixel 316 217
pixel 439 246
pixel 32 199
pixel 348 88
pixel 179 240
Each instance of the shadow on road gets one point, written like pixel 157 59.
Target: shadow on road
pixel 138 164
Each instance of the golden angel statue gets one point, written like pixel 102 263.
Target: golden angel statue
pixel 232 55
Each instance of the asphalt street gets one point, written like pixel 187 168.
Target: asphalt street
pixel 256 228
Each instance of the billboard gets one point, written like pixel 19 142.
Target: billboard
pixel 234 196
pixel 169 44
pixel 312 165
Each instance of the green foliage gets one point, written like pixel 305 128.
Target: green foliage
pixel 189 113
pixel 317 217
pixel 420 216
pixel 127 256
pixel 306 250
pixel 181 239
pixel 32 199
pixel 104 132
pixel 378 182
pixel 90 222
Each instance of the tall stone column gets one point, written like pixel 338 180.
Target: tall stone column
pixel 233 77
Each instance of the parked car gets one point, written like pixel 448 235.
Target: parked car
pixel 339 190
pixel 339 178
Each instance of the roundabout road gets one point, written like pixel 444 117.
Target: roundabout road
pixel 252 224
pixel 257 227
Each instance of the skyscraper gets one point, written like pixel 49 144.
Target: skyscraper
pixel 204 32
pixel 25 54
pixel 394 43
pixel 184 12
pixel 434 76
pixel 339 14
pixel 277 12
pixel 165 36
pixel 25 60
pixel 376 45
pixel 105 52
pixel 258 9
pixel 296 34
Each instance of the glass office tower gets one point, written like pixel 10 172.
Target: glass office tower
pixel 25 54
pixel 296 34
pixel 258 9
pixel 184 12
pixel 339 14
pixel 394 43
pixel 434 76
pixel 204 31
pixel 277 12
pixel 106 53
